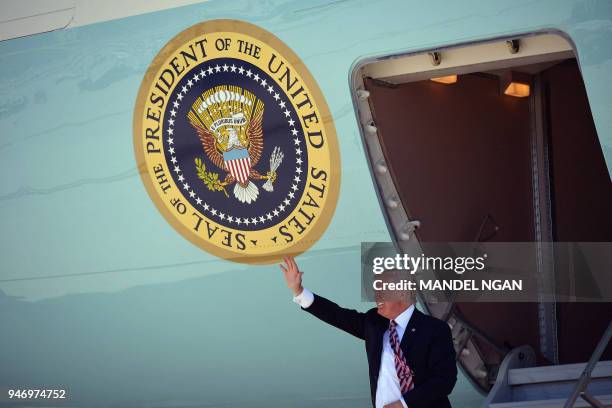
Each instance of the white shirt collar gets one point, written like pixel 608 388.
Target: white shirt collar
pixel 404 317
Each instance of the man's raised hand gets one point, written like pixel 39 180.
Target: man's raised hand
pixel 293 276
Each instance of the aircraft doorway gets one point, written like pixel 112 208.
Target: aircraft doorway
pixel 502 149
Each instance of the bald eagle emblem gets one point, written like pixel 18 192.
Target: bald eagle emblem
pixel 228 121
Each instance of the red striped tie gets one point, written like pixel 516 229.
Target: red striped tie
pixel 404 373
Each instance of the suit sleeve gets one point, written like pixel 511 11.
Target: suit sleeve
pixel 442 369
pixel 351 321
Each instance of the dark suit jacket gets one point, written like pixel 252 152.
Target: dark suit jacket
pixel 428 349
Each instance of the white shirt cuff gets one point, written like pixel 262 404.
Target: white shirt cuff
pixel 304 299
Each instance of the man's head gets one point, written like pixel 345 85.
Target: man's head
pixel 391 303
pixel 391 310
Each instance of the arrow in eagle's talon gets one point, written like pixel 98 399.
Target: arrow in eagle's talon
pixel 276 158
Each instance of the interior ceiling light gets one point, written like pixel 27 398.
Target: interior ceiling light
pixel 515 84
pixel 449 79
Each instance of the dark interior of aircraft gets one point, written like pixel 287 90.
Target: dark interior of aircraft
pixel 462 154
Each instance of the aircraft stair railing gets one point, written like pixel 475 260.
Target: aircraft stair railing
pixel 580 389
pixel 520 383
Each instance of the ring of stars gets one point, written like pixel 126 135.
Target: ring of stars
pixel 215 212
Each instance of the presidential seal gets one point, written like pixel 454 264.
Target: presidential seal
pixel 235 144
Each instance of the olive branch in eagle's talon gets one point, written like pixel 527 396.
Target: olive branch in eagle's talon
pixel 210 179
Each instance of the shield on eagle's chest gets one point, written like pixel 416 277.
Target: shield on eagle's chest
pixel 238 163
